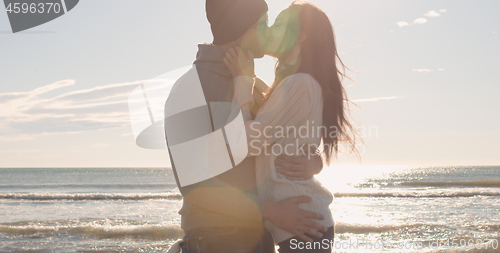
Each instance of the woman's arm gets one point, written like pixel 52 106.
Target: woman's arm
pixel 244 95
pixel 251 95
pixel 283 111
pixel 248 94
pixel 259 89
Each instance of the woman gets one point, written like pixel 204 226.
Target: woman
pixel 304 106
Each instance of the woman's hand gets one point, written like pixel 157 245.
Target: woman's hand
pixel 238 64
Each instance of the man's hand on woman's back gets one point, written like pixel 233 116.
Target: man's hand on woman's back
pixel 287 215
pixel 299 167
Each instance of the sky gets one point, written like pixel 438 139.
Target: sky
pixel 425 79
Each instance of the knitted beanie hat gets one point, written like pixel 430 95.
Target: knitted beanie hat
pixel 230 19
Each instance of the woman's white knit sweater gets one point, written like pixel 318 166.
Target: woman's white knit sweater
pixel 290 117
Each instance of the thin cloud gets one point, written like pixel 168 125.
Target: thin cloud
pixel 26 114
pixel 426 70
pixel 28 137
pixel 420 21
pixel 432 14
pixel 32 114
pixel 376 99
pixel 104 92
pixel 422 70
pixel 402 23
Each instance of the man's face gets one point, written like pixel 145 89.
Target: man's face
pixel 255 38
pixel 283 34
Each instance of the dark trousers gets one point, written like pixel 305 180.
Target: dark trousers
pixel 227 240
pixel 320 245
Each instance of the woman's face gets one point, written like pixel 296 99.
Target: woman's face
pixel 281 35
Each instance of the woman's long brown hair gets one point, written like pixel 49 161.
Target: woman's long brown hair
pixel 318 58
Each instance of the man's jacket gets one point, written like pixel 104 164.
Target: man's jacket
pixel 207 146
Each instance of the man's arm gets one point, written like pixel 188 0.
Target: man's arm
pixel 289 217
pixel 299 167
pixel 218 196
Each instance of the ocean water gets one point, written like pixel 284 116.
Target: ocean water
pixel 376 209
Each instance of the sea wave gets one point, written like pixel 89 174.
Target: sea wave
pixel 479 183
pixel 443 193
pixel 104 228
pixel 175 195
pixel 145 231
pixel 354 228
pixel 90 196
pixel 41 186
pixel 435 184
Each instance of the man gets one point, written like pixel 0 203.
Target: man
pixel 223 213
